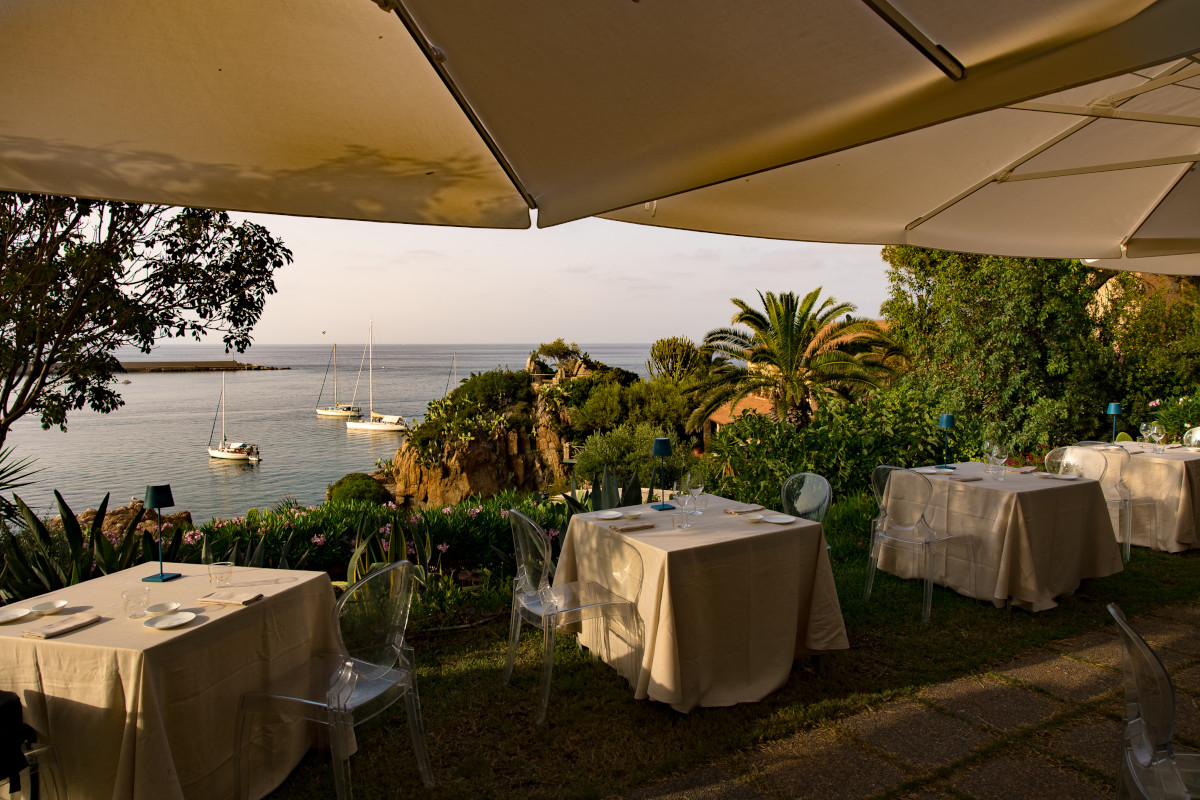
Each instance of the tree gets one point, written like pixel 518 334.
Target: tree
pixel 560 352
pixel 80 278
pixel 1011 341
pixel 796 350
pixel 675 357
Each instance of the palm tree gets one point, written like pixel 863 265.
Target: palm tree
pixel 795 351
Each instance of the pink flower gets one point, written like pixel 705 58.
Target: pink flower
pixel 319 539
pixel 414 518
pixel 553 534
pixel 191 537
pixel 443 547
pixel 447 510
pixel 412 550
pixel 385 545
pixel 472 512
pixel 504 512
pixel 1155 403
pixel 384 529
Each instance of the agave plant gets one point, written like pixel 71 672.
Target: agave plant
pixel 34 563
pixel 606 493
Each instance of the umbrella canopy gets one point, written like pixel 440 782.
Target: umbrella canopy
pixel 1104 171
pixel 472 112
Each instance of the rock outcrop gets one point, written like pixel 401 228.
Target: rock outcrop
pixel 118 519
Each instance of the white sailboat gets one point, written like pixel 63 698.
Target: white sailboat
pixel 391 423
pixel 337 409
pixel 233 451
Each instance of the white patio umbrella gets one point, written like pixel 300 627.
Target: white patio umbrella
pixel 1103 171
pixel 473 111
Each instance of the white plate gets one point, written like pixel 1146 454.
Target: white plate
pixel 12 614
pixel 49 607
pixel 158 609
pixel 170 620
pixel 633 515
pixel 928 470
pixel 608 515
pixel 752 517
pixel 779 519
pixel 1066 476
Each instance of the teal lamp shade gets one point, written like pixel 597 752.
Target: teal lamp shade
pixel 1114 408
pixel 946 422
pixel 662 449
pixel 159 497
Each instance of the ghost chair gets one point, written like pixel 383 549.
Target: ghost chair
pixel 1150 768
pixel 806 495
pixel 1192 438
pixel 903 497
pixel 553 608
pixel 372 670
pixel 1118 496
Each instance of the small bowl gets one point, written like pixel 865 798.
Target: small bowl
pixel 49 607
pixel 633 515
pixel 752 517
pixel 158 609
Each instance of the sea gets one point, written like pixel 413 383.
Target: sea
pixel 160 434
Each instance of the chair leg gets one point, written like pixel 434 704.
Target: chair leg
pixel 43 766
pixel 241 754
pixel 340 732
pixel 549 627
pixel 416 729
pixel 872 563
pixel 514 636
pixel 927 563
pixel 1126 532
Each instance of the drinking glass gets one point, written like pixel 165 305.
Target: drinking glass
pixel 682 501
pixel 1144 430
pixel 699 505
pixel 220 574
pixel 136 601
pixel 1157 432
pixel 680 519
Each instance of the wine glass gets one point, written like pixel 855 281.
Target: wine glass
pixel 1157 432
pixel 1144 430
pixel 695 489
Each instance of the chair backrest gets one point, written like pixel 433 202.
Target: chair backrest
pixel 1086 462
pixel 532 548
pixel 1192 438
pixel 1149 706
pixel 1116 458
pixel 371 617
pixel 916 489
pixel 806 495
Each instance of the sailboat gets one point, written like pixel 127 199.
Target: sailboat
pixel 234 451
pixel 337 409
pixel 393 423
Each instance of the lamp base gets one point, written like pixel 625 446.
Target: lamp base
pixel 663 507
pixel 161 577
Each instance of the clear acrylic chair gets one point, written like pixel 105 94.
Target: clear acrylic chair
pixel 1119 497
pixel 372 670
pixel 42 772
pixel 806 495
pixel 903 497
pixel 552 608
pixel 1192 438
pixel 1086 462
pixel 1150 768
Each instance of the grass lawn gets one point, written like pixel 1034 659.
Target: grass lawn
pixel 600 742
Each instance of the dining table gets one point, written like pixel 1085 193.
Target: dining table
pixel 148 713
pixel 727 605
pixel 1170 480
pixel 1036 536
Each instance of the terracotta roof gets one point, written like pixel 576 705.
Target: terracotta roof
pixel 752 404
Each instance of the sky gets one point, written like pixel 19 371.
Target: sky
pixel 591 281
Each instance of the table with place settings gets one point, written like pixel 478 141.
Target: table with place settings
pixel 727 605
pixel 1171 479
pixel 1036 536
pixel 145 713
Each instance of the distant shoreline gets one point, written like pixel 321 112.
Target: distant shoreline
pixel 189 366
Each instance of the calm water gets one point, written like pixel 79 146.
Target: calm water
pixel 160 434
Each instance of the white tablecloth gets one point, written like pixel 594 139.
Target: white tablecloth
pixel 1172 480
pixel 727 605
pixel 149 714
pixel 1035 537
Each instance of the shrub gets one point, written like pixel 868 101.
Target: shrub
pixel 627 448
pixel 357 486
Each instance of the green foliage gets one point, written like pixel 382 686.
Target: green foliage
pixel 750 457
pixel 1178 415
pixel 357 486
pixel 81 278
pixel 560 352
pixel 37 561
pixel 14 473
pixel 797 350
pixel 481 407
pixel 626 451
pixel 1009 340
pixel 675 357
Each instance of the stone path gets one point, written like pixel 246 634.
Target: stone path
pixel 1045 725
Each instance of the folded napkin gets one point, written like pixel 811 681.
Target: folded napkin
pixel 626 527
pixel 61 626
pixel 743 509
pixel 228 598
pixel 1023 470
pixel 965 478
pixel 1172 446
pixel 1062 477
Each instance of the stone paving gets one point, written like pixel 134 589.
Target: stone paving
pixel 1044 725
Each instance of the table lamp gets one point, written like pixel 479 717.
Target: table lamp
pixel 946 423
pixel 158 498
pixel 662 449
pixel 1113 410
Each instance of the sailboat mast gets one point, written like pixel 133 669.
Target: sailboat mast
pixel 222 408
pixel 335 376
pixel 371 369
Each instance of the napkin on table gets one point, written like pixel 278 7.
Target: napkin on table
pixel 735 510
pixel 228 598
pixel 965 478
pixel 626 527
pixel 1023 470
pixel 61 626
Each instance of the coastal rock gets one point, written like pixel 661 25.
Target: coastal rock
pixel 118 519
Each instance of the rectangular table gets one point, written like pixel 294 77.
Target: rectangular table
pixel 1172 480
pixel 149 714
pixel 1035 537
pixel 727 605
